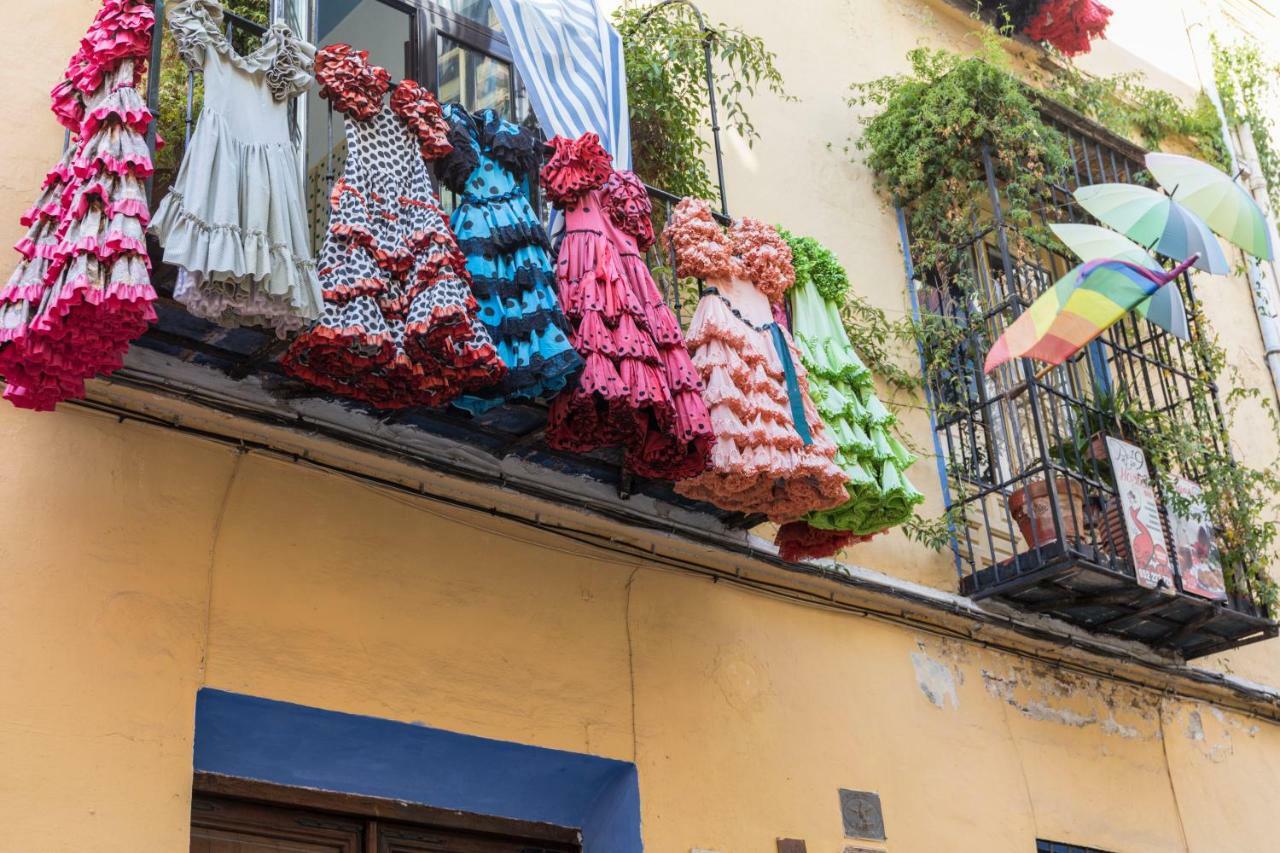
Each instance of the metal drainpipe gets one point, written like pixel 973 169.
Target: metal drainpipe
pixel 1262 279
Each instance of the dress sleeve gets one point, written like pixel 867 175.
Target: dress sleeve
pixel 194 24
pixel 421 111
pixel 291 65
pixel 456 167
pixel 764 257
pixel 700 244
pixel 514 146
pixel 627 203
pixel 576 167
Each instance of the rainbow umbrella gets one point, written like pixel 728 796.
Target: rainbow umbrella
pixel 1092 243
pixel 1080 306
pixel 1155 221
pixel 1223 204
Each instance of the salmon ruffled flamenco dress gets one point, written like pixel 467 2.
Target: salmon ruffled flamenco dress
pixel 638 388
pixel 400 326
pixel 772 453
pixel 508 255
pixel 82 290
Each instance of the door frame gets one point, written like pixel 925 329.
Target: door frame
pixel 564 838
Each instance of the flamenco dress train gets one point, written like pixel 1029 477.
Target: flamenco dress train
pixel 507 253
pixel 772 454
pixel 399 326
pixel 638 387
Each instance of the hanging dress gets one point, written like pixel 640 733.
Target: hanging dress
pixel 83 289
pixel 234 222
pixel 507 255
pixel 399 326
pixel 772 454
pixel 880 495
pixel 638 387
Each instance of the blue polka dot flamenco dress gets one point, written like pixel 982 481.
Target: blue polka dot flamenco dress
pixel 508 256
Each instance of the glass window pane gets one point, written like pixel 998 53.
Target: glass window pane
pixel 480 11
pixel 387 34
pixel 474 79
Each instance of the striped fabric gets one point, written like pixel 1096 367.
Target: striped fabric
pixel 571 62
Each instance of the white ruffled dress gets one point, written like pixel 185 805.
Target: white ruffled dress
pixel 234 221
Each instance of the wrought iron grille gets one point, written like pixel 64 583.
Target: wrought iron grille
pixel 998 435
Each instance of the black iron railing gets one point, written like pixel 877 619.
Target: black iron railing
pixel 1007 437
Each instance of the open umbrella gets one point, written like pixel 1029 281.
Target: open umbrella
pixel 1219 201
pixel 1092 242
pixel 1156 221
pixel 1080 306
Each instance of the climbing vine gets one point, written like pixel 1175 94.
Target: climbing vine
pixel 667 91
pixel 1247 83
pixel 1125 105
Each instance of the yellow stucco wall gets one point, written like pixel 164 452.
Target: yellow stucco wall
pixel 137 565
pixel 151 563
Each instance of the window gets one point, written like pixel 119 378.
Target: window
pixel 1010 439
pixel 272 818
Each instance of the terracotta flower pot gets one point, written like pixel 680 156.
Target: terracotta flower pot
pixel 1033 510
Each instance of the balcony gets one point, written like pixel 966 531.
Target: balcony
pixel 1018 442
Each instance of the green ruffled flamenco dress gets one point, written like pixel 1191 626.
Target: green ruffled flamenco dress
pixel 880 495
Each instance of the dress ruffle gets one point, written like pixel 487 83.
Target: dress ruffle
pixel 576 167
pixel 349 82
pixel 627 203
pixel 797 540
pixel 399 326
pixel 284 60
pixel 83 289
pixel 420 110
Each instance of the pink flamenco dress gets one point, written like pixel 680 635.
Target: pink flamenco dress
pixel 400 325
pixel 82 290
pixel 772 454
pixel 638 388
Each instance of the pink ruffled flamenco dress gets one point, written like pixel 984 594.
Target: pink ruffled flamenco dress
pixel 638 388
pixel 772 454
pixel 82 290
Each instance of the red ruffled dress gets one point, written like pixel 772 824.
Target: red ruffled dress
pixel 762 462
pixel 638 388
pixel 83 289
pixel 399 326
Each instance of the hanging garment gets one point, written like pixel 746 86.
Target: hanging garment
pixel 234 222
pixel 638 388
pixel 772 454
pixel 399 326
pixel 507 255
pixel 872 458
pixel 1069 25
pixel 83 289
pixel 570 59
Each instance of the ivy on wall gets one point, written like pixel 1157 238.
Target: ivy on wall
pixel 1247 84
pixel 667 91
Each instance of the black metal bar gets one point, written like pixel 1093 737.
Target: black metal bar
pixel 708 38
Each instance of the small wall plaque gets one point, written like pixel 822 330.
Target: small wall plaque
pixel 860 811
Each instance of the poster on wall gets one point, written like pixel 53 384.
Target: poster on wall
pixel 1199 562
pixel 1147 545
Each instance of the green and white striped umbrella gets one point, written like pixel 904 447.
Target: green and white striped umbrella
pixel 1156 221
pixel 1223 204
